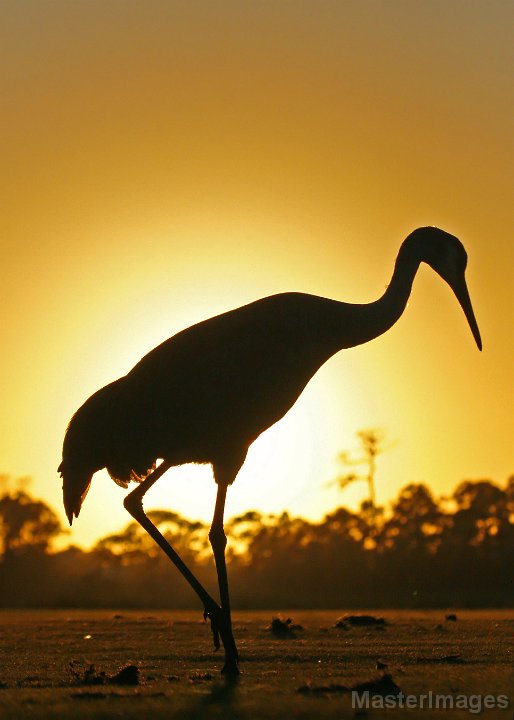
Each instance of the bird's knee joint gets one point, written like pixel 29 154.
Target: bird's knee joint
pixel 133 504
pixel 217 537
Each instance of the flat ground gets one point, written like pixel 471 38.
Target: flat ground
pixel 60 664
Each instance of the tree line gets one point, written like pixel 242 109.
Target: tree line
pixel 421 551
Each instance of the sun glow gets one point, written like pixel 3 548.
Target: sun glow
pixel 190 160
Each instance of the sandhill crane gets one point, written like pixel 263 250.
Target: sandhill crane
pixel 207 393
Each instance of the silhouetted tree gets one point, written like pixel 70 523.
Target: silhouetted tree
pixel 372 445
pixel 420 551
pixel 482 508
pixel 416 522
pixel 26 523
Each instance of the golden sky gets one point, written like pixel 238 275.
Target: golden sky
pixel 164 161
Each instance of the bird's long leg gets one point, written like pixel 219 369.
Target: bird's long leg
pixel 218 541
pixel 134 504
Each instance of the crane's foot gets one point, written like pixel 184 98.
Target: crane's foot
pixel 231 668
pixel 221 627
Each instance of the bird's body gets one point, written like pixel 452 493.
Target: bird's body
pixel 213 388
pixel 229 378
pixel 208 392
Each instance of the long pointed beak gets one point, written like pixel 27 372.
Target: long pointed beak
pixel 461 292
pixel 69 505
pixel 75 488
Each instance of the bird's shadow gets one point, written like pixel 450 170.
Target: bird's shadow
pixel 222 697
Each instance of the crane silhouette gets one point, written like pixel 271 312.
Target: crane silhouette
pixel 207 393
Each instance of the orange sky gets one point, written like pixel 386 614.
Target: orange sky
pixel 165 161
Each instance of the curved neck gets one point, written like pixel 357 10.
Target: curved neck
pixel 390 306
pixel 357 324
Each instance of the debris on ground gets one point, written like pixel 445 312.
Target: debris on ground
pixel 451 617
pixel 281 628
pixel 384 685
pixel 200 677
pixel 87 676
pixel 360 621
pixel 128 675
pixel 444 659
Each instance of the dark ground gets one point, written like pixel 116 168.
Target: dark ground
pixel 64 664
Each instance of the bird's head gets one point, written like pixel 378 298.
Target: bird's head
pixel 446 255
pixel 77 467
pixel 84 448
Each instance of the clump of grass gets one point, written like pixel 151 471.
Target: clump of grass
pixel 383 685
pixel 87 676
pixel 360 621
pixel 282 629
pixel 443 659
pixel 200 677
pixel 127 675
